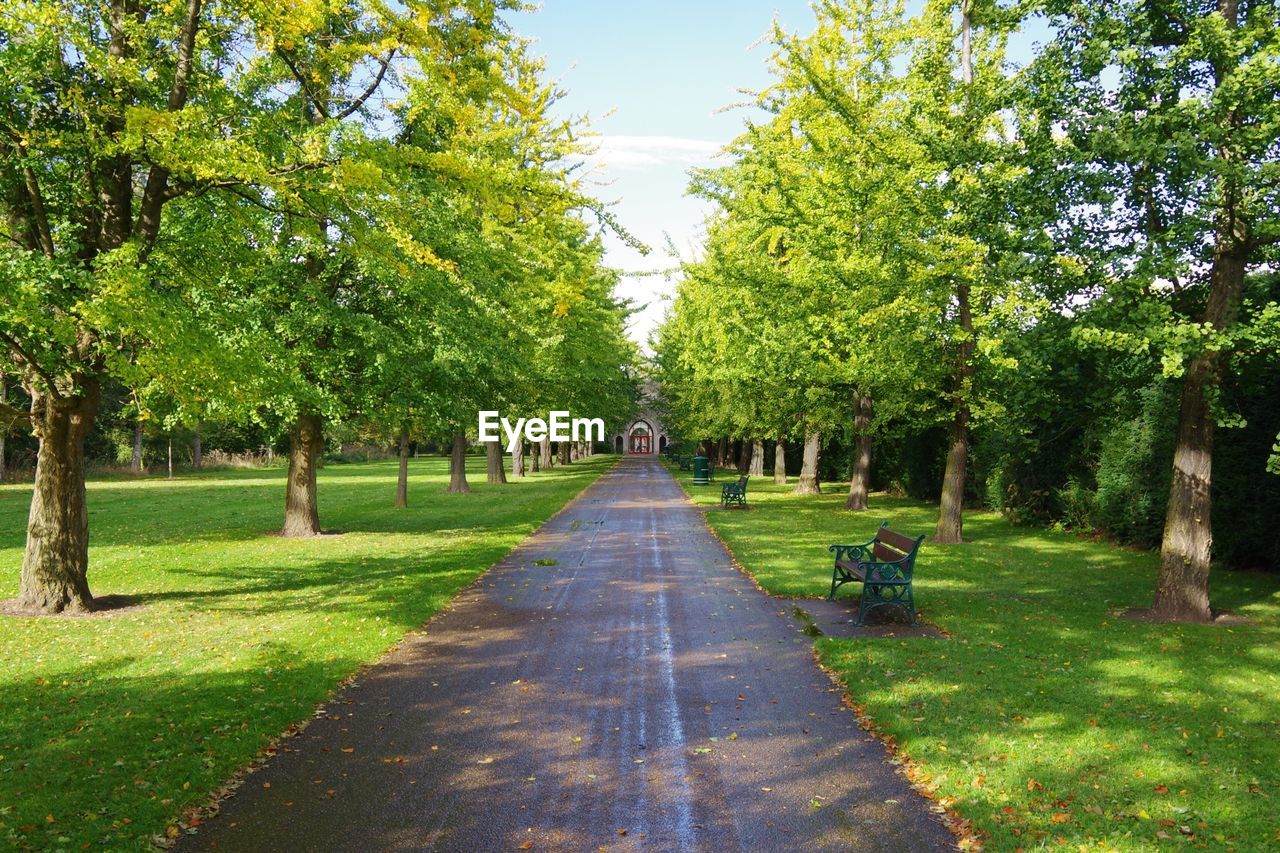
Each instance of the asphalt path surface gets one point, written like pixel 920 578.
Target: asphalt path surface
pixel 635 691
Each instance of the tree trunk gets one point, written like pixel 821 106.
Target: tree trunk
pixel 809 484
pixel 757 458
pixel 402 481
pixel 544 450
pixel 301 504
pixel 744 456
pixel 535 457
pixel 517 460
pixel 1186 550
pixel 458 464
pixel 497 472
pixel 722 453
pixel 1182 588
pixel 4 399
pixel 171 457
pixel 780 462
pixel 55 564
pixel 860 477
pixel 197 450
pixel 135 462
pixel 950 529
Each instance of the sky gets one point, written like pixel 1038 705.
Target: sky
pixel 654 77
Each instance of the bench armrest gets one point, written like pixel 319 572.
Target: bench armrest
pixel 889 571
pixel 851 552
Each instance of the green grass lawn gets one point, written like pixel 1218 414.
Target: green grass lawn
pixel 1048 719
pixel 112 726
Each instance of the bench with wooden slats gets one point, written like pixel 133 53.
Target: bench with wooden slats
pixel 734 493
pixel 883 566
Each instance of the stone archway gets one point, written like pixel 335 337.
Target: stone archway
pixel 662 444
pixel 617 444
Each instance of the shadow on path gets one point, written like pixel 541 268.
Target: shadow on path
pixel 638 692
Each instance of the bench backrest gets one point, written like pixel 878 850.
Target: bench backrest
pixel 891 546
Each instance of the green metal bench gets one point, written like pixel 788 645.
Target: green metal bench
pixel 883 566
pixel 734 493
pixel 685 462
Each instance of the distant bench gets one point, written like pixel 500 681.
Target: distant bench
pixel 883 566
pixel 734 493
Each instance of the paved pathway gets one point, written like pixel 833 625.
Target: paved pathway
pixel 640 693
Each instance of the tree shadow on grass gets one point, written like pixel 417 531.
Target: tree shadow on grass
pixel 1085 728
pixel 238 507
pixel 105 757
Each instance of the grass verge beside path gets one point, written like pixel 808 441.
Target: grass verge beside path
pixel 1048 719
pixel 112 726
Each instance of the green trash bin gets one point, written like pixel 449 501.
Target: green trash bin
pixel 701 471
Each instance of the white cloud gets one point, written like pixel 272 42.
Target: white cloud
pixel 632 153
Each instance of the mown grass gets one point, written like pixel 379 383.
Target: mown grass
pixel 112 726
pixel 1048 718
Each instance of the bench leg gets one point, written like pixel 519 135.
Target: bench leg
pixel 864 605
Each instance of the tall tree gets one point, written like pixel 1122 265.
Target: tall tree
pixel 1165 116
pixel 110 116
